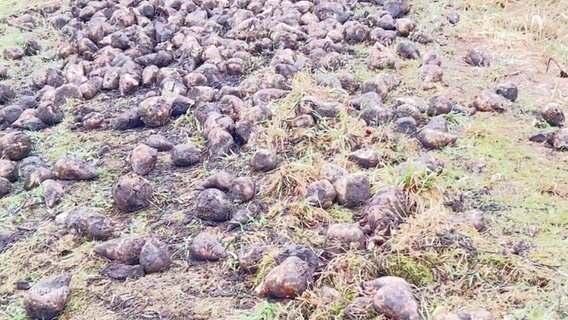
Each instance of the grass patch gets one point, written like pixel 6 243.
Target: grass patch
pixel 12 7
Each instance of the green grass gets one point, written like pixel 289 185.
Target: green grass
pixel 20 208
pixel 518 175
pixel 263 311
pixel 14 311
pixel 11 35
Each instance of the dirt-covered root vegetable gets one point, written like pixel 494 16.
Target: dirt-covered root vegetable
pixel 15 146
pixel 544 135
pixel 72 168
pixel 552 113
pixel 489 100
pixel 13 53
pixel 302 252
pixel 221 180
pixel 439 105
pixel 128 83
pixel 287 280
pixel 508 90
pixel 372 96
pixel 332 172
pixel 49 113
pixel 352 189
pixel 344 236
pixel 397 9
pixel 302 121
pixel 242 189
pixel 6 93
pixel 93 120
pixel 5 187
pixel 48 298
pixel 9 170
pixel 219 143
pixel 205 247
pixel 393 200
pixel 66 92
pixel 372 286
pixel 327 109
pixel 52 192
pixel 125 249
pixel 122 272
pixel 477 58
pixel 214 205
pixel 432 58
pixel 240 218
pixel 54 77
pixel 34 175
pixel 264 160
pixel 184 155
pixel 408 110
pixel 143 159
pixel 407 50
pixel 348 82
pixel 365 158
pixel 28 120
pixel 379 223
pixel 87 222
pixel 430 74
pixel 405 125
pixel 435 139
pixel 159 142
pixel 404 26
pixel 559 139
pixel 243 131
pixel 264 96
pixel 453 17
pixel 422 36
pixel 155 256
pixel 91 88
pixel 394 298
pixel 154 111
pixel 4 72
pixel 321 193
pixel 380 58
pixel 132 192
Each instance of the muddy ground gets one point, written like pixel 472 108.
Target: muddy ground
pixel 442 176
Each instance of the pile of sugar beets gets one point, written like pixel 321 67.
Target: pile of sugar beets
pixel 195 57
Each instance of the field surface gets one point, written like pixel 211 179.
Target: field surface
pixel 306 148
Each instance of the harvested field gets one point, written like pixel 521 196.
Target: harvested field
pixel 276 159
